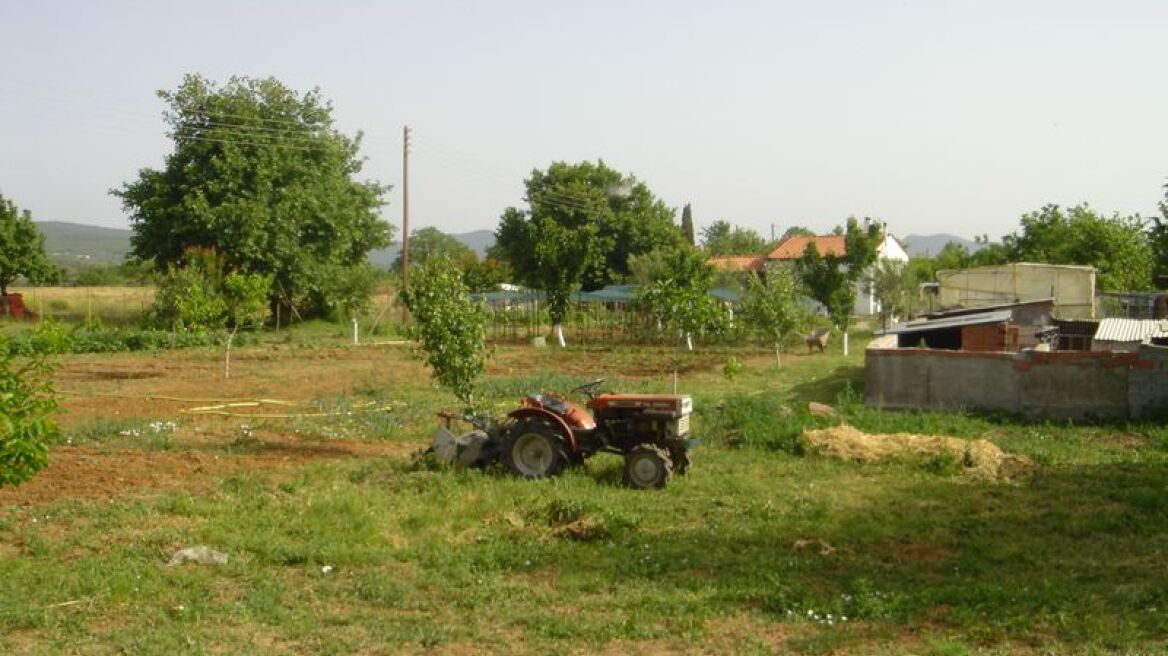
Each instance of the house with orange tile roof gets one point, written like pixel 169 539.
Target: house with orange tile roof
pixel 793 247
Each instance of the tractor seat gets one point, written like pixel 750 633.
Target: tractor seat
pixel 550 403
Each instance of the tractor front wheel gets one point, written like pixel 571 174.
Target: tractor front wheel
pixel 534 449
pixel 647 466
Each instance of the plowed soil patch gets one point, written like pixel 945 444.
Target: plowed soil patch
pixel 135 385
pixel 86 473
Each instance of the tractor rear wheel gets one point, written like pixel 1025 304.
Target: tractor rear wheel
pixel 647 466
pixel 534 449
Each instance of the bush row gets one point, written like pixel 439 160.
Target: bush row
pixel 53 339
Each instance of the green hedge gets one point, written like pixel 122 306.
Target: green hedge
pixel 110 340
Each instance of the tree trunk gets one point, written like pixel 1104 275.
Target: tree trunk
pixel 689 341
pixel 778 358
pixel 560 335
pixel 845 343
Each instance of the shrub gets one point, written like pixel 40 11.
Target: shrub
pixel 52 339
pixel 26 399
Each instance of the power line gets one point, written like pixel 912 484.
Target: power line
pixel 64 105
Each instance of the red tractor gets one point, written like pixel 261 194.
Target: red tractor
pixel 547 433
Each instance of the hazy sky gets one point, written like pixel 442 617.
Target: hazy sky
pixel 934 116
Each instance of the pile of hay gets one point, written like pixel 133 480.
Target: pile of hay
pixel 978 458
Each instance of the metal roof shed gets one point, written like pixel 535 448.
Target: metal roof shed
pixel 945 333
pixel 1125 334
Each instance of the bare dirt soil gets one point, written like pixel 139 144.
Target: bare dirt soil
pixel 133 390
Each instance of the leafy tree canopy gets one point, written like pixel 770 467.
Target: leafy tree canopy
pixel 260 174
pixel 1118 247
pixel 721 239
pixel 681 299
pixel 427 243
pixel 22 248
pixel 831 278
pixel 605 217
pixel 483 275
pixel 1158 236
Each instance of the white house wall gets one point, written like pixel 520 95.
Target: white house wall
pixel 866 304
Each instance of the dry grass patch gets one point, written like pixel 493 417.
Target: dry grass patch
pixel 978 458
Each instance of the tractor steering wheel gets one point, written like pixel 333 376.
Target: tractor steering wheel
pixel 589 389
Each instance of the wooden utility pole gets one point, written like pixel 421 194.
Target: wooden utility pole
pixel 405 254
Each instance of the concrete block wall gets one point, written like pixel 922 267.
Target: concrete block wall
pixel 1148 383
pixel 906 378
pixel 1060 385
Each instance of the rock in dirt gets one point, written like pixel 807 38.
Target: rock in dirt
pixel 200 554
pixel 978 458
pixel 822 410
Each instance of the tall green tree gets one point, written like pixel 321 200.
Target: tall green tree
pixel 1117 246
pixel 1158 238
pixel 426 243
pixel 22 249
pixel 687 224
pixel 722 239
pixel 832 279
pixel 611 215
pixel 563 256
pixel 259 173
pixel 583 224
pixel 771 306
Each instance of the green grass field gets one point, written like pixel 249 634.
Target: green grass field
pixel 757 551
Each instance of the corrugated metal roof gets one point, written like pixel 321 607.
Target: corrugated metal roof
pixel 1128 330
pixel 956 312
pixel 950 322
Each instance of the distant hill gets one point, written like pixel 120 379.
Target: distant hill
pixel 929 245
pixel 74 245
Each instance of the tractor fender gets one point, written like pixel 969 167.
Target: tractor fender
pixel 539 413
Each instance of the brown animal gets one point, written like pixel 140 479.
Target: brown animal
pixel 818 338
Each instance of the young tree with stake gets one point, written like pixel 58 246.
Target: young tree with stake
pixel 771 306
pixel 449 325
